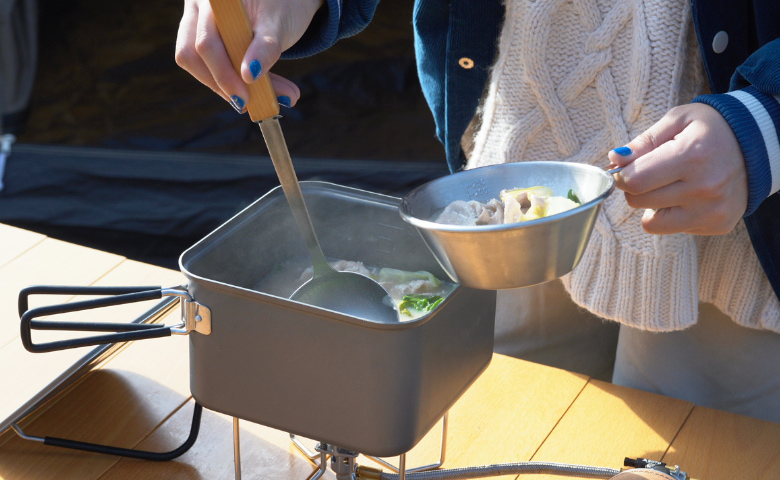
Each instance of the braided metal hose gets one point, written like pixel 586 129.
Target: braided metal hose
pixel 548 468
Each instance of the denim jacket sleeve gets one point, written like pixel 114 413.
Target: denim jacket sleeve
pixel 336 19
pixel 752 108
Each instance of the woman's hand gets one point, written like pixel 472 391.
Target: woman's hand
pixel 688 171
pixel 276 26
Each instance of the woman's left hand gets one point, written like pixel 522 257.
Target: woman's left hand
pixel 688 171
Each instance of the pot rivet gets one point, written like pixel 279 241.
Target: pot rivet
pixel 198 318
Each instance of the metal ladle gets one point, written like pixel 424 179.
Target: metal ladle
pixel 344 292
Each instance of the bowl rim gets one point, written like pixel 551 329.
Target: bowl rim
pixel 404 205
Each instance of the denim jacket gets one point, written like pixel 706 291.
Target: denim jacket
pixel 744 75
pixel 455 45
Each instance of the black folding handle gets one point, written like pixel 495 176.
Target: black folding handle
pixel 132 453
pixel 122 452
pixel 120 295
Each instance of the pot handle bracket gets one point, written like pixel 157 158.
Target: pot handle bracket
pixel 194 316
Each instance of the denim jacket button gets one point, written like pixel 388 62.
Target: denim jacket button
pixel 466 63
pixel 720 41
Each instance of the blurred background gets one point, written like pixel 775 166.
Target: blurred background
pixel 119 149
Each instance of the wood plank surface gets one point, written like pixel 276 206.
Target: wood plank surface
pixel 715 445
pixel 484 423
pixel 608 423
pixel 15 241
pixel 119 404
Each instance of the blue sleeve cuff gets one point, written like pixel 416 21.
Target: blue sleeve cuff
pixel 755 119
pixel 336 19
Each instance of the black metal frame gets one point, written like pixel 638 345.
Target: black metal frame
pixel 121 295
pixel 128 331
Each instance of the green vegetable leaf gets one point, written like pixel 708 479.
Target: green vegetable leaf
pixel 416 304
pixel 573 197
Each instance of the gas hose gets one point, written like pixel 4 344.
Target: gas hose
pixel 549 468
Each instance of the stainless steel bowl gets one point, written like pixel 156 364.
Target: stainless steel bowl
pixel 494 257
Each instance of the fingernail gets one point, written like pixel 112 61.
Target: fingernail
pixel 255 69
pixel 238 103
pixel 624 151
pixel 284 101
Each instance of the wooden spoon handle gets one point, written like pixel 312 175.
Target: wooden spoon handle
pixel 233 25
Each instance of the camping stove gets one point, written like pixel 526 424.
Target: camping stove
pixel 342 461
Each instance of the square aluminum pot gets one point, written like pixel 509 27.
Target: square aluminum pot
pixel 375 388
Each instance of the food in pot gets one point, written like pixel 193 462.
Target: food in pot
pixel 416 305
pixel 414 293
pixel 515 205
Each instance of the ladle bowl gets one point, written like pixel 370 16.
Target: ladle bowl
pixel 327 290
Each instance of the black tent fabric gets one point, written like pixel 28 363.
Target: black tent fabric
pixel 126 152
pixel 18 57
pixel 151 206
pixel 110 81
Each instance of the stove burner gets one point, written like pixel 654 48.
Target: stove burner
pixel 342 460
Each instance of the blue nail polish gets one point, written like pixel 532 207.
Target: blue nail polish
pixel 238 103
pixel 284 101
pixel 255 69
pixel 624 151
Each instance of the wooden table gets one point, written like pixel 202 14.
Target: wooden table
pixel 139 398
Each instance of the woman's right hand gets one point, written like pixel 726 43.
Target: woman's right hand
pixel 276 26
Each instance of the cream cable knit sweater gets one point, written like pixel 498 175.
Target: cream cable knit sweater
pixel 576 78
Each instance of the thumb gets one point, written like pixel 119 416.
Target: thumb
pixel 261 55
pixel 663 131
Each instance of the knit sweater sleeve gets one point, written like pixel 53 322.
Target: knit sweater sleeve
pixel 336 19
pixel 752 109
